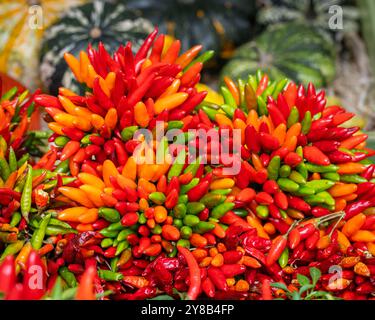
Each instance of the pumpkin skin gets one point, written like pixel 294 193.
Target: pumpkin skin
pixel 99 21
pixel 19 43
pixel 212 23
pixel 289 51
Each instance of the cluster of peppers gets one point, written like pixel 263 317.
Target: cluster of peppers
pixel 105 225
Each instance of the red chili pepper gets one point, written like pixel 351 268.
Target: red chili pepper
pixel 298 204
pixel 7 275
pixel 276 115
pixel 319 211
pixel 356 207
pixel 194 273
pixel 208 288
pixel 281 200
pixel 218 278
pixel 266 290
pixel 327 145
pixel 34 279
pixel 292 159
pixel 252 139
pixel 277 248
pixel 314 155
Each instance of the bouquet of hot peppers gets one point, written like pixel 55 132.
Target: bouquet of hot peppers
pixel 103 224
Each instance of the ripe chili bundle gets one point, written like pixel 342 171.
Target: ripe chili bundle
pixel 99 221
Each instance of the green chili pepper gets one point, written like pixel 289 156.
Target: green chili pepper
pixel 193 167
pixel 221 191
pixel 106 242
pixel 333 176
pixel 26 194
pixel 68 277
pixel 319 185
pixel 302 170
pixel 186 232
pixel 109 214
pixel 203 227
pixel 219 211
pixel 304 191
pixel 128 132
pixel 314 199
pixel 108 234
pixel 228 110
pixel 228 98
pixel 56 230
pixel 176 124
pixel 288 185
pixel 283 260
pixel 297 177
pixel 241 87
pixel 352 178
pixel 39 234
pixel 123 235
pixel 299 151
pixel 61 141
pixel 63 167
pixel 210 112
pixel 279 87
pixel 23 159
pixel 191 220
pixel 177 166
pixel 53 183
pixel 12 249
pixel 157 197
pixel 178 223
pixel 240 212
pixel 3 145
pixel 259 75
pixel 186 187
pixel 306 123
pixel 252 81
pixel 12 160
pixel 262 211
pixel 273 168
pixel 269 90
pixel 9 94
pixel 121 247
pixel 321 169
pixel 283 214
pixel 211 200
pixel 179 211
pixel 109 275
pixel 194 207
pixel 4 169
pixel 115 226
pixel 114 262
pixel 327 198
pixel 180 243
pixel 183 199
pixel 284 171
pixel 57 222
pixel 157 229
pixel 262 106
pixel 207 55
pixel 16 218
pixel 293 117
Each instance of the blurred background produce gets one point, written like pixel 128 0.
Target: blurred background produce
pixel 330 43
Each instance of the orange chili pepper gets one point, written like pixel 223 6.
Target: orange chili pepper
pixel 86 286
pixel 199 254
pixel 255 223
pixel 74 65
pixel 111 118
pixel 223 120
pixel 136 281
pixel 354 224
pixel 250 262
pixel 293 131
pixel 160 214
pixel 45 249
pixel 130 169
pixel 188 56
pixel 109 169
pixel 342 189
pixel 353 141
pixel 97 121
pixel 76 195
pixel 170 102
pixel 363 236
pixel 83 65
pixel 217 260
pixel 90 216
pixel 198 241
pixel 141 115
pixel 218 231
pixel 257 162
pixel 291 143
pixel 343 241
pixel 280 133
pixel 87 178
pixel 72 214
pixel 93 194
pixel 351 168
pixel 171 54
pixel 173 88
pixel 233 89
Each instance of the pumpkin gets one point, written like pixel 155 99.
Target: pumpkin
pixel 22 24
pixel 99 21
pixel 212 23
pixel 287 50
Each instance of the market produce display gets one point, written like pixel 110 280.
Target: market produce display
pixel 89 24
pixel 287 50
pixel 106 225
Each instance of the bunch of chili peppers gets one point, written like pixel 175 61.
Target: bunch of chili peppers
pixel 115 228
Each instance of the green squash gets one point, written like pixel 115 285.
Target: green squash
pixel 212 23
pixel 289 51
pixel 112 24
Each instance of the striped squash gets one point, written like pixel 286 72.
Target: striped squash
pixel 288 50
pixel 99 21
pixel 21 28
pixel 212 23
